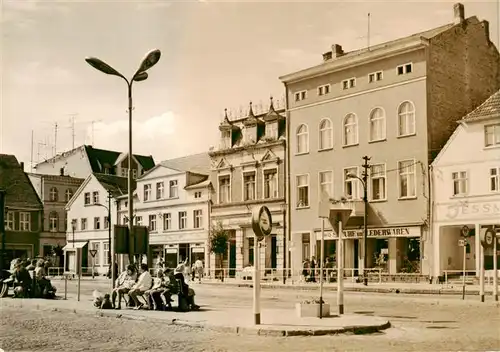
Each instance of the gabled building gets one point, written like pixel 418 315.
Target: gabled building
pixel 465 190
pixel 248 171
pixel 173 200
pixel 84 160
pixel 23 211
pixel 54 192
pixel 88 223
pixel 398 103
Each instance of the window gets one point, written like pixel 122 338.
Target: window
pixel 495 179
pixel 250 134
pixel 182 219
pixel 95 197
pixel 159 190
pixel 249 185
pixel 105 248
pixel 197 194
pixel 134 173
pixel 302 95
pixel 74 222
pixel 404 69
pixel 173 189
pixel 152 222
pixel 459 183
pixel 226 139
pixel 350 130
pixel 97 223
pixel 377 125
pixel 9 221
pixel 351 184
pixel 167 221
pixel 198 217
pixel 349 83
pixel 224 189
pixel 147 192
pixel 492 135
pixel 24 221
pixel 138 220
pixel 326 183
pixel 83 224
pixel 302 191
pixel 302 139
pixel 378 182
pixel 375 77
pixel 106 222
pixel 325 134
pixel 53 194
pixel 68 194
pixel 53 220
pixel 272 130
pixel 323 90
pixel 95 246
pixel 407 179
pixel 406 119
pixel 87 198
pixel 270 183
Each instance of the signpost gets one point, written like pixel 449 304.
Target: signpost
pixel 93 252
pixel 463 243
pixel 487 239
pixel 262 227
pixel 324 212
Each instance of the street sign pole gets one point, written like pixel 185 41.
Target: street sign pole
pixel 79 266
pixel 463 276
pixel 495 268
pixel 488 240
pixel 262 227
pixel 481 273
pixel 340 271
pixel 324 212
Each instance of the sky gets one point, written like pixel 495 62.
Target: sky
pixel 215 55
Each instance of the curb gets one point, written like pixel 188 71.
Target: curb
pixel 408 291
pixel 256 331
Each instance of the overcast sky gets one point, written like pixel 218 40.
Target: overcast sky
pixel 215 55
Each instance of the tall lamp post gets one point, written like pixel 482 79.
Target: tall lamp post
pixel 110 248
pixel 365 222
pixel 140 75
pixel 285 238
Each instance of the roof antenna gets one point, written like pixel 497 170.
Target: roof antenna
pixel 368 35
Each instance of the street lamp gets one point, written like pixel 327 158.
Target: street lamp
pixel 110 262
pixel 285 238
pixel 149 61
pixel 365 222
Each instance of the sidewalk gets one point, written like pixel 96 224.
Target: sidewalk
pixel 274 322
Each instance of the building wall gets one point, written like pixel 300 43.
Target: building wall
pixel 29 240
pixel 74 162
pixel 463 71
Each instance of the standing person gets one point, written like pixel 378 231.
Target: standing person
pixel 305 269
pixel 123 285
pixel 143 284
pixel 313 269
pixel 198 265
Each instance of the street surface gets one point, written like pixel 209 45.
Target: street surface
pixel 420 323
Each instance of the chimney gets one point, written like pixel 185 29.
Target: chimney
pixel 459 14
pixel 486 27
pixel 22 165
pixel 61 171
pixel 327 56
pixel 337 50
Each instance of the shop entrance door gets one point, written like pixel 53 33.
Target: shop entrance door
pixel 356 257
pixel 273 252
pixel 232 258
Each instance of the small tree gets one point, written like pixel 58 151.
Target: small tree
pixel 219 238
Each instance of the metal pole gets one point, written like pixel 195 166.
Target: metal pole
pixel 495 268
pixel 2 227
pixel 463 276
pixel 256 284
pixel 111 266
pixel 65 286
pixel 321 268
pixel 481 273
pixel 365 233
pixel 130 199
pixel 79 265
pixel 285 238
pixel 340 272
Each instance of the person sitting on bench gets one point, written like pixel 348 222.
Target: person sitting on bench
pixel 171 289
pixel 123 285
pixel 144 283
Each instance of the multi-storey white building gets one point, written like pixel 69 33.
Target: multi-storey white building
pixel 88 224
pixel 466 188
pixel 173 200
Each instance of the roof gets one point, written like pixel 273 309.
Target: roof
pixel 201 184
pixel 414 41
pixel 20 192
pixel 57 178
pixel 100 158
pixel 196 163
pixel 116 185
pixel 490 108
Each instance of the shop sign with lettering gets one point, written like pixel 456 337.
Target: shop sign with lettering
pixel 466 209
pixel 411 231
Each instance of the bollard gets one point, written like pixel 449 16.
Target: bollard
pixel 65 286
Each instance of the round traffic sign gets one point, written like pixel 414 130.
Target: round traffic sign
pixel 465 231
pixel 261 222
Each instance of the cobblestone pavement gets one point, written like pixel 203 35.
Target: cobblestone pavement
pixel 420 323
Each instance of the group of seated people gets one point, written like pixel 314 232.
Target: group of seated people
pixel 30 279
pixel 157 292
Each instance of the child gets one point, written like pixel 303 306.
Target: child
pixel 106 303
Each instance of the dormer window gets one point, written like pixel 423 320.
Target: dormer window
pixel 250 134
pixel 272 130
pixel 226 139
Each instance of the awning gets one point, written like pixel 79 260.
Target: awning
pixel 75 245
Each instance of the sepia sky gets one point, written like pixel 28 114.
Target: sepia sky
pixel 215 55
